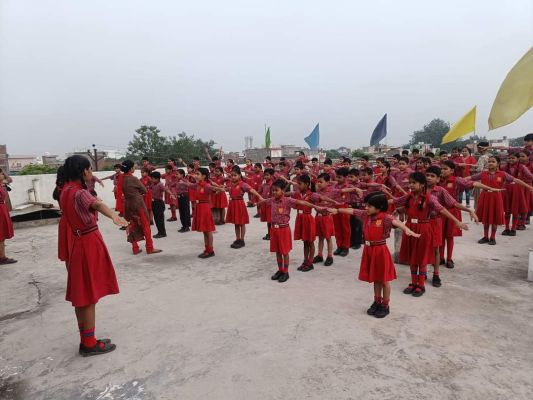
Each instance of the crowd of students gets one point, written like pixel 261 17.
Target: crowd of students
pixel 355 204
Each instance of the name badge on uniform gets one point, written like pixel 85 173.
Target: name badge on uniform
pixel 498 179
pixel 450 185
pixel 379 222
pixel 280 210
pixel 201 190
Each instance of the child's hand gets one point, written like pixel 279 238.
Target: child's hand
pixel 473 216
pixel 409 232
pixel 333 211
pixel 119 220
pixel 462 226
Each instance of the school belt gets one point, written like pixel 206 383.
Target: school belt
pixel 236 198
pixel 202 201
pixel 375 242
pixel 82 232
pixel 418 221
pixel 303 212
pixel 278 226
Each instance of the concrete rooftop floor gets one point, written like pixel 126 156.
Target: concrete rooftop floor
pixel 187 328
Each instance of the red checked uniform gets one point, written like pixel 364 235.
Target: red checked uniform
pixel 265 210
pixel 341 221
pixel 202 219
pixel 280 232
pixel 237 211
pixel 447 201
pixel 323 219
pixel 490 208
pixel 146 181
pixel 219 199
pixel 305 226
pixel 376 261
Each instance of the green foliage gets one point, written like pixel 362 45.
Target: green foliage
pixel 433 132
pixel 358 154
pixel 148 142
pixel 516 142
pixel 333 154
pixel 37 169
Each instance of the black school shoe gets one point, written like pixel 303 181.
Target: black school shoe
pixel 373 308
pixel 237 244
pixel 382 311
pixel 356 246
pixel 506 232
pixel 206 254
pixel 492 242
pixel 435 281
pixel 419 291
pixel 512 233
pixel 450 264
pixel 344 252
pixel 183 229
pixel 318 259
pixel 307 268
pixel 483 240
pixel 159 236
pixel 284 277
pixel 329 261
pixel 521 227
pixel 100 347
pixel 337 252
pixel 99 340
pixel 276 276
pixel 301 266
pixel 410 289
pixel 266 237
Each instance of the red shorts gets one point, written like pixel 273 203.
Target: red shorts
pixel 324 226
pixel 280 240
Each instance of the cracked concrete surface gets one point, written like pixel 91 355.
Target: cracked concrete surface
pixel 220 329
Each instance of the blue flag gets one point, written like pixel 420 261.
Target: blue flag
pixel 314 138
pixel 379 132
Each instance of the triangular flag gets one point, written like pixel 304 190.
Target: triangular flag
pixel 379 132
pixel 313 139
pixel 267 138
pixel 462 127
pixel 515 96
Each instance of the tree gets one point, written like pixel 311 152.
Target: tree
pixel 187 147
pixel 147 142
pixel 358 153
pixel 333 154
pixel 37 169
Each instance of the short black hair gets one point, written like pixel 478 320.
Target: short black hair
pixel 270 171
pixel 353 171
pixel 126 165
pixel 443 153
pixel 367 170
pixel 181 172
pixel 304 179
pixel 404 159
pixel 280 183
pixel 342 172
pixel 377 200
pixel 314 159
pixel 449 164
pixel 528 137
pixel 156 175
pixel 204 172
pixel 324 176
pixel 433 170
pixel 415 151
pixel 365 157
pixel 328 161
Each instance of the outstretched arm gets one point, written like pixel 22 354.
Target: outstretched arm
pixel 399 224
pixel 458 223
pixel 106 211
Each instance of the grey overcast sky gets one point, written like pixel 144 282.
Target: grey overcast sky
pixel 73 73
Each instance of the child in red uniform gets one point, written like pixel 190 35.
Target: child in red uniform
pixel 449 202
pixel 114 179
pixel 419 253
pixel 280 236
pixel 6 226
pixel 377 266
pixel 325 229
pixel 184 205
pixel 158 190
pixel 91 275
pixel 202 220
pixel 515 201
pixel 355 201
pixel 524 158
pixel 219 200
pixel 65 236
pixel 265 190
pixel 237 212
pixel 489 207
pixel 305 226
pixel 135 211
pixel 171 179
pixel 147 182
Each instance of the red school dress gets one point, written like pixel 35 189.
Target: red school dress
pixel 376 261
pixel 91 275
pixel 146 181
pixel 237 211
pixel 6 225
pixel 437 220
pixel 453 185
pixel 202 218
pixel 171 184
pixel 323 219
pixel 65 235
pixel 515 198
pixel 219 199
pixel 490 208
pixel 305 225
pixel 280 232
pixel 418 251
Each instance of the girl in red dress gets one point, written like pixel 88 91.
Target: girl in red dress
pixel 515 197
pixel 6 225
pixel 202 219
pixel 91 275
pixel 65 237
pixel 237 212
pixel 490 208
pixel 171 181
pixel 280 233
pixel 420 252
pixel 147 182
pixel 377 266
pixel 265 191
pixel 219 200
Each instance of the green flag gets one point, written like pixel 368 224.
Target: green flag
pixel 267 138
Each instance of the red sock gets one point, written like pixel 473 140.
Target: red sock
pixel 286 268
pixel 507 220
pixel 385 302
pixel 280 263
pixel 515 223
pixel 493 232
pixel 422 280
pixel 87 338
pixel 486 231
pixel 449 248
pixel 414 279
pixel 173 212
pixel 378 299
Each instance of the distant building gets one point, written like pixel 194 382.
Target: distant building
pixel 17 162
pixel 499 143
pixel 89 155
pixel 3 158
pixel 344 151
pixel 51 160
pixel 233 155
pixel 288 151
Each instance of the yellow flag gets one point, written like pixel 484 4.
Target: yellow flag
pixel 515 96
pixel 462 127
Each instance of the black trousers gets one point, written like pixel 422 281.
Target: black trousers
pixel 184 207
pixel 356 231
pixel 158 208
